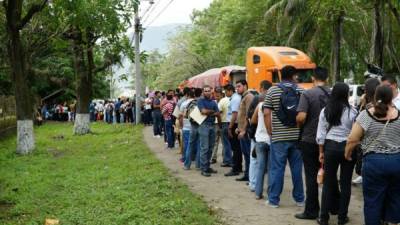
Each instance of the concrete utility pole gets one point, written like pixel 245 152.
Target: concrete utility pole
pixel 138 78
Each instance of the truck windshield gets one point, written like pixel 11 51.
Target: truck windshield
pixel 304 76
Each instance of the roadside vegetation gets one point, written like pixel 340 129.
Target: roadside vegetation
pixel 107 177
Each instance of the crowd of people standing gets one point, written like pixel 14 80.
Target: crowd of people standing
pixel 315 129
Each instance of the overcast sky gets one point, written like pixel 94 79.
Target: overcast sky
pixel 178 11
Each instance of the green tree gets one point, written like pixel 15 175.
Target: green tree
pixel 20 68
pixel 86 37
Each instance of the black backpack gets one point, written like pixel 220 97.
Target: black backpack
pixel 289 102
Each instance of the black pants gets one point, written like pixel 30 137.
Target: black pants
pixel 118 116
pixel 333 158
pixel 237 153
pixel 310 154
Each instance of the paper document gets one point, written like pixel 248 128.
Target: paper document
pixel 197 116
pixel 176 112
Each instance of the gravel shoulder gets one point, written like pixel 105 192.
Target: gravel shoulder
pixel 233 200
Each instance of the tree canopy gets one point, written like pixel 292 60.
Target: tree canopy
pixel 221 34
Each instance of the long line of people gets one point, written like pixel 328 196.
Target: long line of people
pixel 314 129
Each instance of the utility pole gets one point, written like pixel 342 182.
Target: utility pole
pixel 138 78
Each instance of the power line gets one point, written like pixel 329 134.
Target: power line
pixel 151 11
pixel 147 10
pixel 155 18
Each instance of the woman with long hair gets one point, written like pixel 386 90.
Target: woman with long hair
pixel 378 128
pixel 335 123
pixel 370 86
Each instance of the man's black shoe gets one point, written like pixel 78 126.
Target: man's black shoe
pixel 244 178
pixel 232 173
pixel 213 161
pixel 343 221
pixel 303 216
pixel 225 165
pixel 211 170
pixel 206 174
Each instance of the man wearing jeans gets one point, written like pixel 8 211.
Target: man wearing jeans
pixel 184 122
pixel 283 144
pixel 208 108
pixel 193 152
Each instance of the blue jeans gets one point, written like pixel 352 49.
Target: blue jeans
pixel 281 152
pixel 207 141
pixel 194 148
pixel 185 139
pixel 226 144
pixel 381 188
pixel 157 122
pixel 262 150
pixel 253 166
pixel 169 130
pixel 245 145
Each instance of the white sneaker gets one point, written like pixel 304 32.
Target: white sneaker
pixel 358 180
pixel 271 205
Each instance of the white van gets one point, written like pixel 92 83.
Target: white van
pixel 355 93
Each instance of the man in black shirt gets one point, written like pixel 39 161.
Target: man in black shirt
pixel 311 103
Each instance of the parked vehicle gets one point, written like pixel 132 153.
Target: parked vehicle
pixel 265 63
pixel 262 63
pixel 355 93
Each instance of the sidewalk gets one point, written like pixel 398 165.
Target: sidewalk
pixel 233 200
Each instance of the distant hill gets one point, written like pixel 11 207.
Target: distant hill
pixel 157 37
pixel 153 38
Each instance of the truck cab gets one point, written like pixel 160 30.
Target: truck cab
pixel 265 63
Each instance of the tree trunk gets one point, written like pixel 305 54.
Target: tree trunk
pixel 336 45
pixel 20 77
pixel 377 35
pixel 394 11
pixel 83 88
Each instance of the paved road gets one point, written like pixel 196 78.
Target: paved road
pixel 233 201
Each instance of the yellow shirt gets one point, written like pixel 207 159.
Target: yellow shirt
pixel 223 106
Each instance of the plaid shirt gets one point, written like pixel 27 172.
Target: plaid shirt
pixel 167 110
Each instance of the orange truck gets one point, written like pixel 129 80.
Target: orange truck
pixel 262 63
pixel 265 63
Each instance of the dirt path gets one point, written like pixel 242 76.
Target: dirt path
pixel 234 201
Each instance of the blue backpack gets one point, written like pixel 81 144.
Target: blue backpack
pixel 289 101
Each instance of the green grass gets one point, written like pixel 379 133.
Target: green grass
pixel 108 177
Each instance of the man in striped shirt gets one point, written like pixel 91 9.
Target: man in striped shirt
pixel 284 143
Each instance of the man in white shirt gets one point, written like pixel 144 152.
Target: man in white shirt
pixel 391 81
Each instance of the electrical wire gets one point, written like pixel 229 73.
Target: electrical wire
pixel 158 15
pixel 146 17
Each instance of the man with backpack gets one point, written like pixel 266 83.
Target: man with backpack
pixel 311 103
pixel 280 109
pixel 193 152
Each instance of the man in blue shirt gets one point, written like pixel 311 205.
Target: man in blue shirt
pixel 117 110
pixel 209 108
